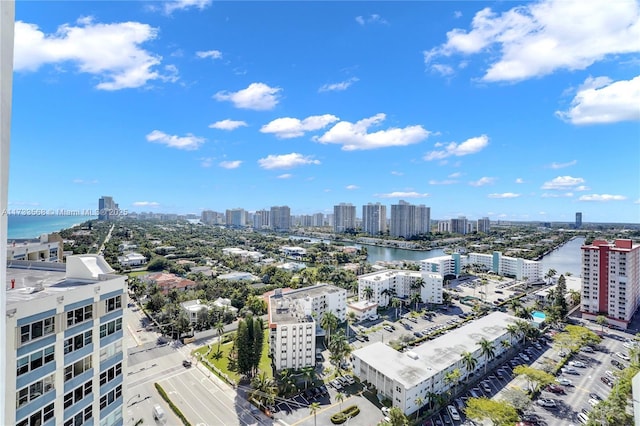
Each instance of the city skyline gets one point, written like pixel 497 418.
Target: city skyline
pixel 476 109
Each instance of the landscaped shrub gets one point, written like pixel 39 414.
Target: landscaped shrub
pixel 345 414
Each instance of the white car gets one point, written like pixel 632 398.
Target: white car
pixel 583 418
pixel 524 357
pixel 587 349
pixel 545 402
pixel 610 374
pixel 385 410
pixel 593 402
pixel 569 370
pixel 579 364
pixel 629 345
pixel 563 381
pixel 453 412
pixel 623 356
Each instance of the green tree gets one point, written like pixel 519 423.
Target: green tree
pixel 396 303
pixel 397 417
pixel 535 378
pixel 158 264
pixel 367 292
pixel 219 326
pixel 487 350
pixel 469 361
pixel 415 298
pixel 351 318
pixel 549 275
pixel 340 398
pixel 256 304
pixel 452 378
pixel 602 321
pixel 419 401
pixel 500 413
pixel 328 322
pixel 308 374
pixel 313 409
pixel 249 344
pixel 517 398
pixel 264 389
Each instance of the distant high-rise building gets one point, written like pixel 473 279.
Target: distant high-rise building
pixel 261 219
pixel 484 225
pixel 318 219
pixel 374 219
pixel 610 280
pixel 344 217
pixel 578 220
pixel 459 225
pixel 236 218
pixel 107 208
pixel 408 220
pixel 280 218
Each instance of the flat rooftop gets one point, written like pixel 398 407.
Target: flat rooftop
pixel 287 307
pixel 28 276
pixel 434 355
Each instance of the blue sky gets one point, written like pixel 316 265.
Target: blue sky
pixel 512 110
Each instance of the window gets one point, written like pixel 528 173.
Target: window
pixel 111 350
pixel 110 397
pixel 37 329
pixel 113 304
pixel 79 315
pixel 32 361
pixel 39 417
pixel 77 394
pixel 80 417
pixel 110 373
pixel 34 390
pixel 77 368
pixel 78 341
pixel 110 327
pixel 113 418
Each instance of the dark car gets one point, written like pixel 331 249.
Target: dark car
pixel 607 381
pixel 186 363
pixel 595 396
pixel 555 389
pixel 617 364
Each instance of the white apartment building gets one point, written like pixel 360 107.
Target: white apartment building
pixel 344 217
pixel 408 220
pixel 403 377
pixel 443 265
pixel 42 250
pixel 387 283
pixel 611 280
pixel 374 219
pixel 132 259
pixel 293 318
pixel 505 265
pixel 64 343
pixel 280 218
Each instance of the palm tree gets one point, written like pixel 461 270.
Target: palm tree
pixel 307 374
pixel 575 297
pixel 419 402
pixel 431 398
pixel 415 298
pixel 367 292
pixel 470 362
pixel 328 322
pixel 453 378
pixel 286 381
pixel 602 321
pixel 387 293
pixel 264 389
pixel 550 274
pixel 514 304
pixel 340 398
pixel 351 318
pixel 487 350
pixel 313 409
pixel 513 331
pixel 396 303
pixel 523 328
pixel 505 344
pixel 525 313
pixel 219 326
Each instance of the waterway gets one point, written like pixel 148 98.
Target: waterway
pixel 567 258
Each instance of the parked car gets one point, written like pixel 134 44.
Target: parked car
pixel 607 381
pixel 623 356
pixel 617 364
pixel 525 357
pixel 388 328
pixel 563 381
pixel 588 349
pixel 546 402
pixel 583 418
pixel 186 363
pixel 579 364
pixel 595 396
pixel 593 402
pixel 569 370
pixel 486 387
pixel 555 389
pixel 453 412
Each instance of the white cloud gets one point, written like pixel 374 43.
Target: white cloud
pixel 146 204
pixel 470 146
pixel 257 96
pixel 504 195
pixel 483 181
pixel 111 52
pixel 455 175
pixel 601 100
pixel 206 162
pixel 213 54
pixel 352 187
pixel 400 194
pixel 287 127
pixel 396 173
pixel 371 19
pixel 519 180
pixel 562 165
pixel 637 201
pixel 602 197
pixel 285 176
pixel 85 181
pixel 539 38
pixel 562 183
pixel 188 142
pixel 457 14
pixel 227 124
pixel 442 182
pixel 173 5
pixel 230 164
pixel 338 87
pixel 442 69
pixel 286 161
pixel 354 136
pixel 557 195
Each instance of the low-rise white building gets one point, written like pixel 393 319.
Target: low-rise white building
pixel 403 377
pixel 45 249
pixel 363 309
pixel 244 255
pixel 516 267
pixel 132 259
pixel 398 283
pixel 296 252
pixel 293 318
pixel 194 309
